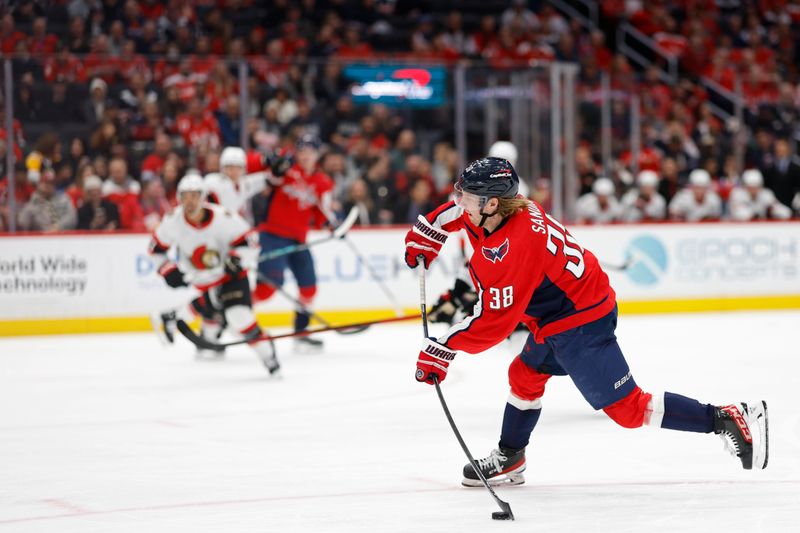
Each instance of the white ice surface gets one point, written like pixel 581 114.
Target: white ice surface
pixel 113 433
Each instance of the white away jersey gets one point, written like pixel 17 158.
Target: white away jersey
pixel 744 206
pixel 684 206
pixel 588 209
pixel 202 248
pixel 235 198
pixel 654 208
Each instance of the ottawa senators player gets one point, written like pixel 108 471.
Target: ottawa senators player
pixel 528 268
pixel 233 188
pixel 210 242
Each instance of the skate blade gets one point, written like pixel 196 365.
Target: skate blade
pixel 209 355
pixel 158 328
pixel 758 418
pixel 509 480
pixel 307 349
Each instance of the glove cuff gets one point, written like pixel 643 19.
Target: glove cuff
pixel 433 349
pixel 165 269
pixel 424 228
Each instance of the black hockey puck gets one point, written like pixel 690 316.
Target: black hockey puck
pixel 501 515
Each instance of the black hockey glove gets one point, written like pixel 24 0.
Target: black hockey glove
pixel 174 277
pixel 278 164
pixel 233 266
pixel 460 298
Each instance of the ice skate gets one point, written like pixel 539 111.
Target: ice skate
pixel 164 324
pixel 206 354
pixel 503 467
pixel 308 345
pixel 272 365
pixel 744 429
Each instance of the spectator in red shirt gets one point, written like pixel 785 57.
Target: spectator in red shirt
pixel 124 191
pixel 41 42
pixel 9 36
pixel 65 67
pixel 485 37
pixel 99 64
pixel 198 126
pixel 353 47
pixel 153 163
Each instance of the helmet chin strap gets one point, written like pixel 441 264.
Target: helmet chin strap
pixel 484 215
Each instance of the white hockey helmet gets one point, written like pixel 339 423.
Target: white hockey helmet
pixel 504 150
pixel 192 183
pixel 699 178
pixel 232 156
pixel 752 178
pixel 603 187
pixel 647 178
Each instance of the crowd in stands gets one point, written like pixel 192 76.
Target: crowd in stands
pixel 115 100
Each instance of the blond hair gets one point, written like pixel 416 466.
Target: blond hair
pixel 510 206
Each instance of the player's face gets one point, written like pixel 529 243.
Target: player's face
pixel 233 172
pixel 466 200
pixel 307 157
pixel 191 200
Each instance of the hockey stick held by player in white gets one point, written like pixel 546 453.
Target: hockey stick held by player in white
pixel 201 342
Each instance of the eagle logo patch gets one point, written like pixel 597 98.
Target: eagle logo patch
pixel 496 254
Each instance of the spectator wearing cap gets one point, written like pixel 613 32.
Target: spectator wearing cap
pixel 95 106
pixel 751 201
pixel 599 206
pixel 48 210
pixel 643 203
pixel 96 213
pixel 698 201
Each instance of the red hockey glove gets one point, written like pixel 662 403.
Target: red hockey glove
pixel 174 277
pixel 433 360
pixel 425 240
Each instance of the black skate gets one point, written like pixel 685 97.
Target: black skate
pixel 745 430
pixel 307 345
pixel 503 467
pixel 164 324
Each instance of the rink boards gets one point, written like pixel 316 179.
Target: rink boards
pixel 98 282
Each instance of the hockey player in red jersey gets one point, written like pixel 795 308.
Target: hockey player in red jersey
pixel 210 243
pixel 299 202
pixel 527 268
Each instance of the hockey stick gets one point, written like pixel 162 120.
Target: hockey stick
pixel 362 260
pixel 200 342
pixel 306 310
pixel 618 268
pixel 506 513
pixel 339 233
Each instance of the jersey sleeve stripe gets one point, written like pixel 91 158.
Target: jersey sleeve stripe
pixel 158 247
pixel 241 240
pixel 445 215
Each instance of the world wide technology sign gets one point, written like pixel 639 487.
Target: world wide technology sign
pixel 394 86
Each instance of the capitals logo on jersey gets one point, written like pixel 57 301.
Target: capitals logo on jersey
pixel 496 254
